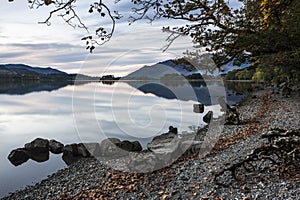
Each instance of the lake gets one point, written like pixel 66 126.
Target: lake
pixel 91 112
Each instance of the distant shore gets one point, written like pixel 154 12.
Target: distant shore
pixel 189 177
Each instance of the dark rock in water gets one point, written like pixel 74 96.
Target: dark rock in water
pixel 198 108
pixel 110 148
pixel 55 147
pixel 130 146
pixel 82 150
pixel 38 156
pixel 18 156
pixel 74 152
pixel 38 145
pixel 93 148
pixel 70 158
pixel 207 118
pixel 71 149
pixel 173 130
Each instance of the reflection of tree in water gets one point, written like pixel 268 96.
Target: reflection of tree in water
pixel 242 87
pixel 197 83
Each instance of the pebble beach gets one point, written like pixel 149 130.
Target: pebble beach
pixel 189 177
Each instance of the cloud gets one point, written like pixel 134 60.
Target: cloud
pixel 59 46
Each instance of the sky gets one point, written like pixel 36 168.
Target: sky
pixel 24 40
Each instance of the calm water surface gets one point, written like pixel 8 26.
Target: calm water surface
pixel 90 113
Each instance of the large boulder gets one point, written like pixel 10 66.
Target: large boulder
pixel 74 152
pixel 93 148
pixel 78 150
pixel 126 145
pixel 164 144
pixel 144 162
pixel 55 147
pixel 18 156
pixel 82 150
pixel 38 145
pixel 110 148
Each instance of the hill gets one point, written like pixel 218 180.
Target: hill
pixel 169 69
pixel 21 69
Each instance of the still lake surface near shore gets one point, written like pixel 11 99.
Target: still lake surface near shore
pixel 92 112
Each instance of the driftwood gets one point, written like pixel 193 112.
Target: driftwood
pixel 280 157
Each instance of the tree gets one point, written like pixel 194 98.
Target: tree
pixel 66 10
pixel 255 29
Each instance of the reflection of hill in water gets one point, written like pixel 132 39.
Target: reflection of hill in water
pixel 188 91
pixel 23 87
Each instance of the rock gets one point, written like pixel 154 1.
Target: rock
pixel 74 152
pixel 207 118
pixel 82 151
pixel 78 150
pixel 198 108
pixel 93 148
pixel 110 148
pixel 55 147
pixel 173 130
pixel 232 116
pixel 286 91
pixel 38 145
pixel 163 144
pixel 71 149
pixel 142 162
pixel 18 156
pixel 69 158
pixel 130 146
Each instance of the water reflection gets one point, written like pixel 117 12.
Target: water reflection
pixel 22 87
pixel 102 111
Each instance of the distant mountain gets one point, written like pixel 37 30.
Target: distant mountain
pixel 19 79
pixel 177 69
pixel 21 69
pixel 161 79
pixel 163 70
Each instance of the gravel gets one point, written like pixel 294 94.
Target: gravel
pixel 188 178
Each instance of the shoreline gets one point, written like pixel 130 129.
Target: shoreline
pixel 189 177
